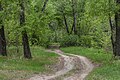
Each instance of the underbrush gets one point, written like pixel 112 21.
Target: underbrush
pixel 15 66
pixel 108 69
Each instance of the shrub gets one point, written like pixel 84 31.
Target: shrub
pixel 85 41
pixel 69 40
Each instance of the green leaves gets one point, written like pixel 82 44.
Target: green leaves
pixel 92 17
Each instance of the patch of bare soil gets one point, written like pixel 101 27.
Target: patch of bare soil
pixel 73 67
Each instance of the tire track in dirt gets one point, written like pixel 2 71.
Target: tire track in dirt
pixel 69 64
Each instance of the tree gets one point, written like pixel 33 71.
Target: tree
pixel 2 35
pixel 27 52
pixel 66 24
pixel 117 22
pixel 113 30
pixel 74 11
pixel 88 19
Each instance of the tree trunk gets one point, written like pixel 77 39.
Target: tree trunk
pixel 66 25
pixel 27 52
pixel 117 45
pixel 117 20
pixel 74 6
pixel 2 42
pixel 113 30
pixel 2 37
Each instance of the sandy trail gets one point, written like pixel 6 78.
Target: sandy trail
pixel 86 66
pixel 69 64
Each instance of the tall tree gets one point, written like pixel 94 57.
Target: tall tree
pixel 117 20
pixel 65 22
pixel 113 30
pixel 74 11
pixel 27 52
pixel 62 10
pixel 2 36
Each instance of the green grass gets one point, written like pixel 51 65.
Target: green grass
pixel 15 66
pixel 109 69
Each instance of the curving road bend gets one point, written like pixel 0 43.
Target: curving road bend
pixel 69 64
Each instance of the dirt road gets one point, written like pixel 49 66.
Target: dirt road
pixel 70 62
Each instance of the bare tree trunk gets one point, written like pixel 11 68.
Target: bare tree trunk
pixel 2 37
pixel 117 45
pixel 117 20
pixel 27 52
pixel 113 30
pixel 2 42
pixel 74 26
pixel 66 25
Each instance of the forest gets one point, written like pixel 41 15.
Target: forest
pixel 69 39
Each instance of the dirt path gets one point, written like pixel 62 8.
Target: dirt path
pixel 69 64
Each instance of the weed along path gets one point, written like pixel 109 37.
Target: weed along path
pixel 74 68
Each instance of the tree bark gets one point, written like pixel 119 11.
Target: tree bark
pixel 3 50
pixel 74 3
pixel 27 52
pixel 117 20
pixel 66 25
pixel 113 30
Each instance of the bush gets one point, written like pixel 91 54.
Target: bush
pixel 69 40
pixel 85 41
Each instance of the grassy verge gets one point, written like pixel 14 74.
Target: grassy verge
pixel 109 69
pixel 16 67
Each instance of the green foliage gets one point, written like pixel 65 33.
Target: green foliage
pixel 69 40
pixel 86 41
pixel 49 27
